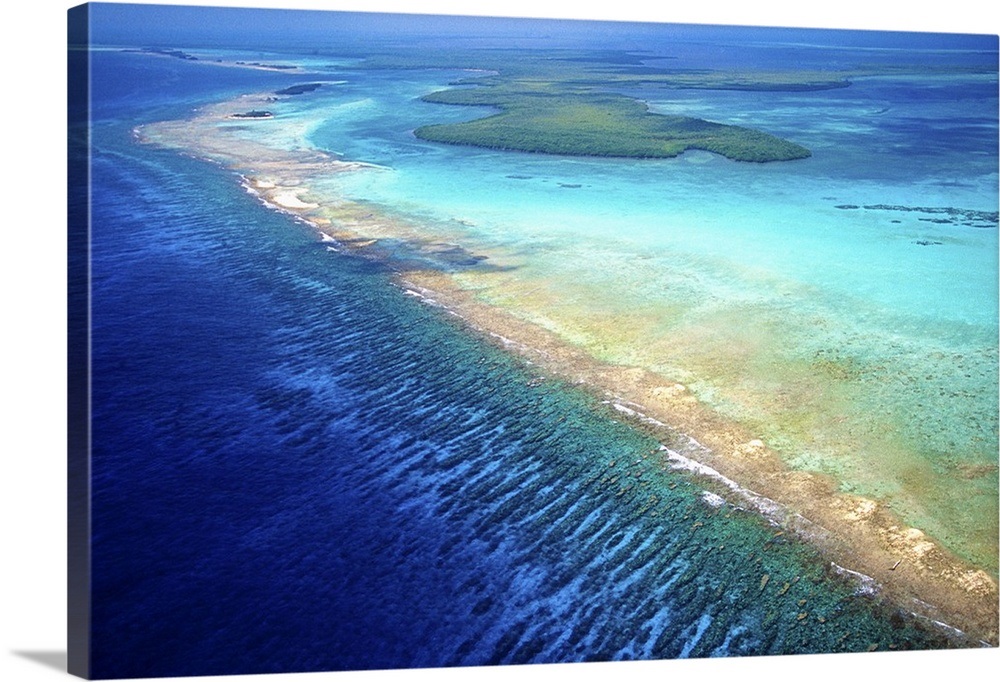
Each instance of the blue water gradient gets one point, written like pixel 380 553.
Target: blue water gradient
pixel 297 467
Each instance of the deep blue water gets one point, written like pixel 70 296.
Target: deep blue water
pixel 297 467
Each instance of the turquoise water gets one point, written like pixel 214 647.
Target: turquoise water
pixel 854 288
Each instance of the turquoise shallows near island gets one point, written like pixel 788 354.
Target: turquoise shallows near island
pixel 466 333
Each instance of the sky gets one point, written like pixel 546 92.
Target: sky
pixel 194 26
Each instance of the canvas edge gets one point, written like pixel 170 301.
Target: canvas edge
pixel 78 342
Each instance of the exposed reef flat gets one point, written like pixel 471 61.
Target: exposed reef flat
pixel 857 534
pixel 943 215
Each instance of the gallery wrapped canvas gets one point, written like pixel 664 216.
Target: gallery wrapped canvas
pixel 422 341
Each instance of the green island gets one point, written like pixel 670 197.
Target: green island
pixel 595 124
pixel 571 103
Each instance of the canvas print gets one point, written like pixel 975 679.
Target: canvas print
pixel 407 341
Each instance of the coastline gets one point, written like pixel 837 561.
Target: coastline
pixel 858 535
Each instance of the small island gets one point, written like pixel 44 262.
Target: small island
pixel 260 65
pixel 547 121
pixel 253 113
pixel 299 89
pixel 166 52
pixel 565 103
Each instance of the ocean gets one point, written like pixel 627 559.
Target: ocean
pixel 298 465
